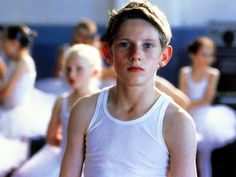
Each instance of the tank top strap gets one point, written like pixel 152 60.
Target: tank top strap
pixel 100 100
pixel 161 110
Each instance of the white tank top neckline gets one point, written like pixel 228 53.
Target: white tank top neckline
pixel 134 121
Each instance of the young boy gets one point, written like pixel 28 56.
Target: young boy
pixel 132 129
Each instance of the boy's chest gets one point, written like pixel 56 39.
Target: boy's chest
pixel 126 114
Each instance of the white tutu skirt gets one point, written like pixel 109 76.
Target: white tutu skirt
pixel 46 163
pixel 216 124
pixel 12 154
pixel 29 119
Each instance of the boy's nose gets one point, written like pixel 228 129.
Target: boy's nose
pixel 135 53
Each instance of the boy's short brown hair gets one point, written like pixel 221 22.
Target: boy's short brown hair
pixel 139 10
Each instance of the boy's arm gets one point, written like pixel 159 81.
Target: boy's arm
pixel 177 95
pixel 180 136
pixel 74 155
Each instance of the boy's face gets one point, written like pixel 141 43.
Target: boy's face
pixel 136 52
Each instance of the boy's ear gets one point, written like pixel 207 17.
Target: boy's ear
pixel 166 56
pixel 106 53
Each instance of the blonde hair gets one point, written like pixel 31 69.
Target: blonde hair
pixel 88 53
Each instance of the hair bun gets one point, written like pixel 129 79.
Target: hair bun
pixel 22 33
pixel 29 32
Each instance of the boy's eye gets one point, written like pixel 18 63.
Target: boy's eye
pixel 124 44
pixel 147 46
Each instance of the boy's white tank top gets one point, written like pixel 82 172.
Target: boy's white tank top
pixel 134 148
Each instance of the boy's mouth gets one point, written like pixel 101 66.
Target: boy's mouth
pixel 135 69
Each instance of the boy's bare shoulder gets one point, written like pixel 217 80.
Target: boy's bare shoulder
pixel 179 134
pixel 175 113
pixel 82 112
pixel 86 104
pixel 177 121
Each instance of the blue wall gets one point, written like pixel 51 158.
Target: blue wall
pixel 51 37
pixel 181 38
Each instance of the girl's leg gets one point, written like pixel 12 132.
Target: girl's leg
pixel 204 162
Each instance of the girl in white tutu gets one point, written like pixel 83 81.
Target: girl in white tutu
pixel 23 110
pixel 14 92
pixel 215 123
pixel 21 73
pixel 82 68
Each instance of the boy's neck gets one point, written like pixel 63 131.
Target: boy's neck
pixel 132 95
pixel 129 103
